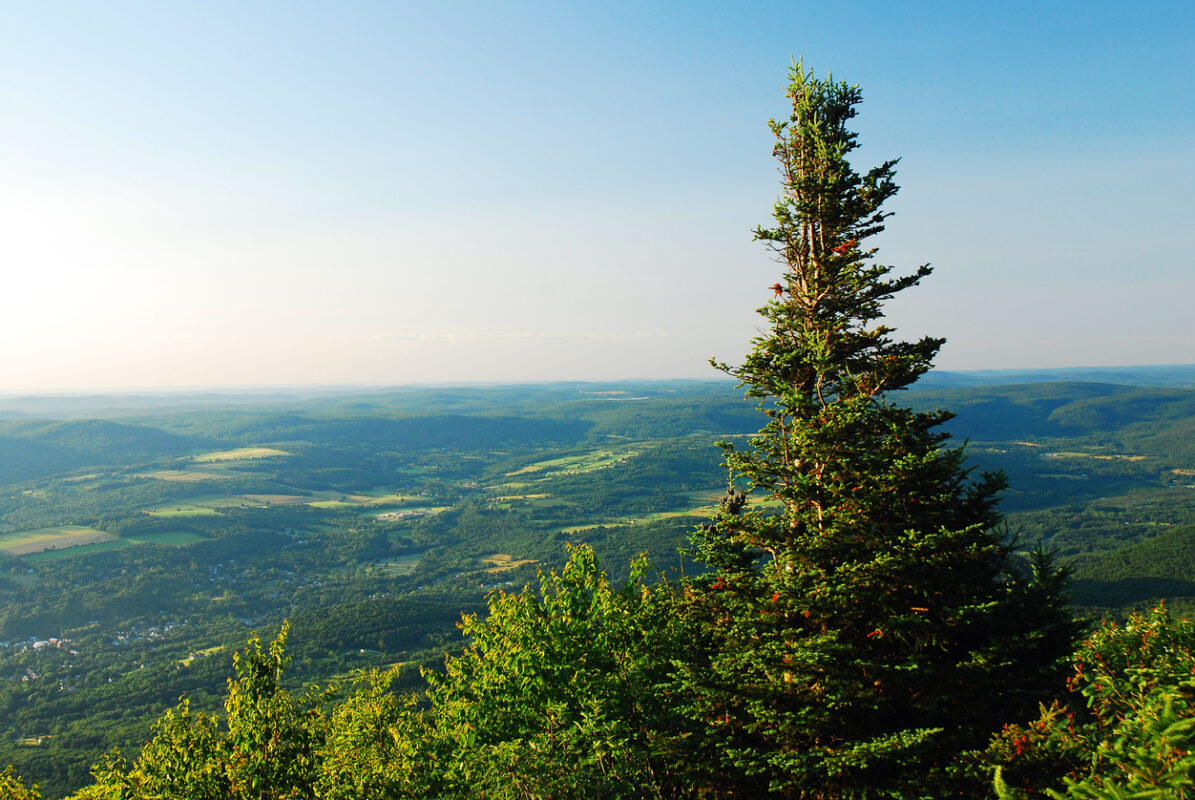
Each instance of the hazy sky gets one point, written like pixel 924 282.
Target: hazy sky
pixel 293 193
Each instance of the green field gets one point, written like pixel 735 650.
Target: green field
pixel 183 511
pixel 278 499
pixel 240 454
pixel 401 566
pixel 370 502
pixel 582 462
pixel 502 562
pixel 77 551
pixel 191 474
pixel 173 538
pixel 22 543
pixel 166 537
pixel 206 505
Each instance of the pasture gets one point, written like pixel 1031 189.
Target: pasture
pixel 186 510
pixel 240 454
pixel 400 566
pixel 204 653
pixel 188 475
pixel 204 506
pixel 278 499
pixel 580 462
pixel 170 538
pixel 502 562
pixel 58 537
pixel 408 512
pixel 369 502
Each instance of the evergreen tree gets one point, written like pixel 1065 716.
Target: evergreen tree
pixel 865 623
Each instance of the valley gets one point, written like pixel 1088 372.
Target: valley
pixel 140 549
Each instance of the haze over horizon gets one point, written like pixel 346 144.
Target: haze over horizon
pixel 394 193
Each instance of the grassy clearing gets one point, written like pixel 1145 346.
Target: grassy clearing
pixel 218 501
pixel 705 506
pixel 190 475
pixel 210 651
pixel 204 506
pixel 1080 454
pixel 23 543
pixel 409 512
pixel 509 497
pixel 513 486
pixel 383 499
pixel 167 537
pixel 192 510
pixel 368 501
pixel 401 566
pixel 240 454
pixel 502 562
pixel 173 538
pixel 582 462
pixel 590 526
pixel 279 499
pixel 705 512
pixel 78 551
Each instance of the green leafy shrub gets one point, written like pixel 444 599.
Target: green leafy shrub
pixel 13 788
pixel 563 692
pixel 263 748
pixel 1128 729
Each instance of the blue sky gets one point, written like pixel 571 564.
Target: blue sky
pixel 228 194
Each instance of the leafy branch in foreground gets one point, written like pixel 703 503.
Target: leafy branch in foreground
pixel 1128 729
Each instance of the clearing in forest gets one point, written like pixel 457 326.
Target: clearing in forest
pixel 581 462
pixel 278 499
pixel 240 454
pixel 408 512
pixel 189 475
pixel 173 538
pixel 22 543
pixel 501 562
pixel 329 499
pixel 400 566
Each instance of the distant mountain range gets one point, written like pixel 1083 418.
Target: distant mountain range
pixel 1175 375
pixel 117 404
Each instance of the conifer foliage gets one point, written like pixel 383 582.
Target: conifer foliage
pixel 865 623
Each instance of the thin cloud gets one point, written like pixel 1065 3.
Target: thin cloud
pixel 516 335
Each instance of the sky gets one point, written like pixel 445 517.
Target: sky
pixel 236 194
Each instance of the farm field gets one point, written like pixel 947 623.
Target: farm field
pixel 583 462
pixel 401 566
pixel 58 537
pixel 173 538
pixel 503 562
pixel 240 454
pixel 407 512
pixel 190 474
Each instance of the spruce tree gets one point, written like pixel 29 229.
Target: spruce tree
pixel 864 621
